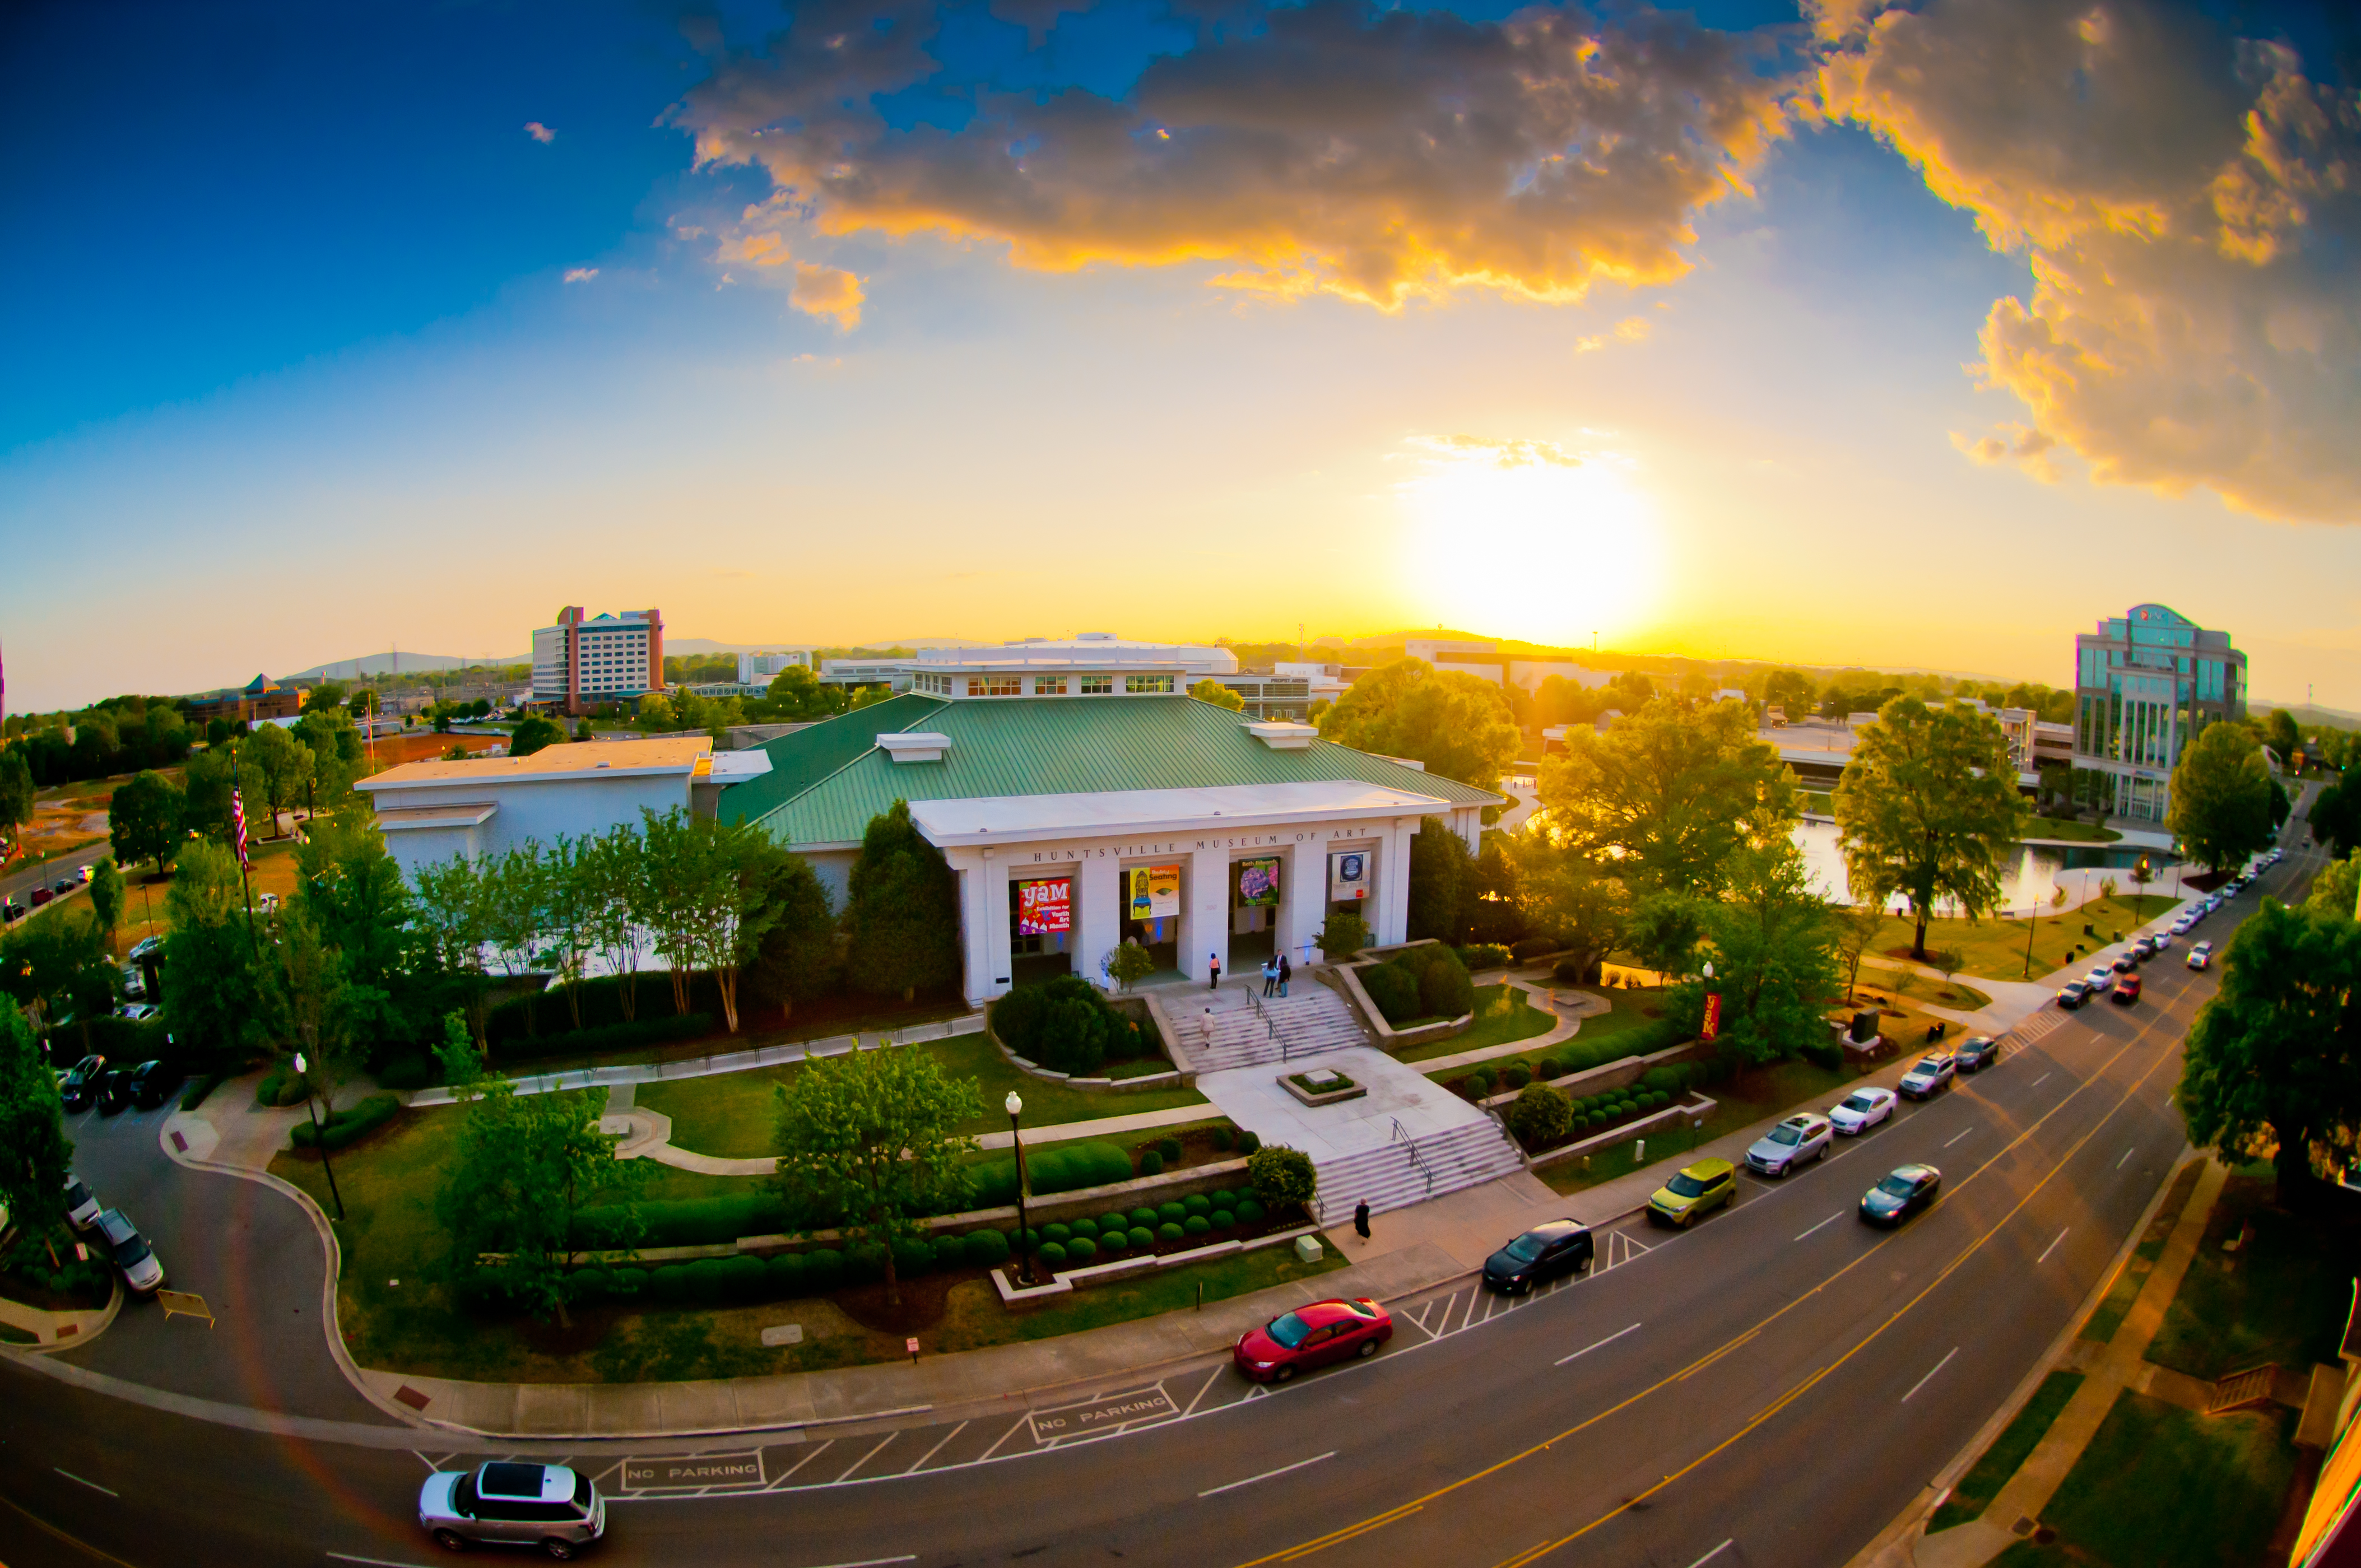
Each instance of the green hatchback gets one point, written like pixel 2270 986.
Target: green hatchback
pixel 1697 1191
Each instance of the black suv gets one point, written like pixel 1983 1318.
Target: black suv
pixel 114 1090
pixel 1561 1247
pixel 80 1086
pixel 151 1084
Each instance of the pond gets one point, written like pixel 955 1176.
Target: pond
pixel 2031 878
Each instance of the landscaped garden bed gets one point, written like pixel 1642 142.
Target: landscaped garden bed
pixel 29 1278
pixel 1322 1086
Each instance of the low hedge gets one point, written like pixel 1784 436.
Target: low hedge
pixel 201 1088
pixel 282 1085
pixel 1061 1168
pixel 1484 955
pixel 415 1070
pixel 686 1221
pixel 610 1038
pixel 346 1124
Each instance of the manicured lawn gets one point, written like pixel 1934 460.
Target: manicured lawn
pixel 2164 1487
pixel 1819 803
pixel 2108 1316
pixel 2282 1298
pixel 2078 831
pixel 1994 949
pixel 1990 1473
pixel 732 1114
pixel 1503 1013
pixel 1740 1101
pixel 975 1318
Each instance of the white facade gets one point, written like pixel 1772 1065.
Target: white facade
pixel 607 658
pixel 762 669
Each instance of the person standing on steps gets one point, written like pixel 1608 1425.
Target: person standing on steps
pixel 1361 1219
pixel 1270 976
pixel 1285 970
pixel 1214 968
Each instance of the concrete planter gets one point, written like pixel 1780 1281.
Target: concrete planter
pixel 1390 1038
pixel 1348 1091
pixel 1066 1281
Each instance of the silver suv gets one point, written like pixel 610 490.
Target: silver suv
pixel 508 1503
pixel 1790 1144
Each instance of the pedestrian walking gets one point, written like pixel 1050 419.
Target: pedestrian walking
pixel 1270 976
pixel 1214 968
pixel 1361 1219
pixel 1285 970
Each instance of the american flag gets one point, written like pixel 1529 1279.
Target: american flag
pixel 238 817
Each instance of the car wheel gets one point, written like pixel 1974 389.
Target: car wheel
pixel 1286 1374
pixel 561 1549
pixel 450 1540
pixel 1823 1154
pixel 1368 1348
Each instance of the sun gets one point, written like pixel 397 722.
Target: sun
pixel 1529 541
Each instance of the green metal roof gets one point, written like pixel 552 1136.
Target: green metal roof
pixel 1016 746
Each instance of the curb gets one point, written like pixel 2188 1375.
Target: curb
pixel 107 1318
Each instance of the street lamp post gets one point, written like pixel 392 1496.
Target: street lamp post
pixel 318 1139
pixel 1014 1107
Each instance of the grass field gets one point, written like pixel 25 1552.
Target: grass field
pixel 1994 949
pixel 730 1115
pixel 1503 1013
pixel 1738 1102
pixel 2163 1488
pixel 2281 1297
pixel 2074 831
pixel 1991 1471
pixel 2108 1316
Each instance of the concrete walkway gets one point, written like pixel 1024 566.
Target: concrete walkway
pixel 61 1330
pixel 2121 1364
pixel 1570 1006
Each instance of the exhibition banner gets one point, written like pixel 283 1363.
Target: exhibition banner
pixel 1348 874
pixel 1258 882
pixel 1152 893
pixel 1045 908
pixel 1711 1029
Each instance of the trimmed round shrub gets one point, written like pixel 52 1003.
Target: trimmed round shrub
pixel 1171 1149
pixel 1139 1238
pixel 823 1269
pixel 1057 1231
pixel 949 1252
pixel 1539 1115
pixel 1248 1141
pixel 744 1277
pixel 590 1284
pixel 1197 1203
pixel 1393 989
pixel 1168 1232
pixel 1086 1226
pixel 626 1284
pixel 1516 1075
pixel 1224 1199
pixel 1113 1242
pixel 1549 1066
pixel 864 1264
pixel 784 1274
pixel 1051 1255
pixel 1174 1212
pixel 1028 1237
pixel 1151 1163
pixel 1222 1139
pixel 708 1279
pixel 912 1257
pixel 669 1282
pixel 1081 1249
pixel 1114 1224
pixel 1196 1225
pixel 984 1248
pixel 1223 1218
pixel 1658 1100
pixel 1249 1213
pixel 1144 1215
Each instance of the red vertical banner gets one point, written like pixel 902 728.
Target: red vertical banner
pixel 1712 1017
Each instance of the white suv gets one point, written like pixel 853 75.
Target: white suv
pixel 512 1504
pixel 1790 1144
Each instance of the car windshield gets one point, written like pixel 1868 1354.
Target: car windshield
pixel 1897 1186
pixel 132 1251
pixel 1525 1248
pixel 1685 1186
pixel 1288 1331
pixel 1786 1136
pixel 1860 1102
pixel 76 1195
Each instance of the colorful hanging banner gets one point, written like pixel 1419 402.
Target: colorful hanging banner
pixel 1712 1026
pixel 1152 893
pixel 1348 874
pixel 1259 882
pixel 1045 908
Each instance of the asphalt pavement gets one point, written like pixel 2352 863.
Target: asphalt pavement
pixel 1771 1388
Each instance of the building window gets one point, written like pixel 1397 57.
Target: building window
pixel 1048 686
pixel 996 685
pixel 1142 684
pixel 1097 685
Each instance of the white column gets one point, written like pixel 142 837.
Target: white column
pixel 973 949
pixel 1098 915
pixel 995 918
pixel 1302 896
pixel 1205 912
pixel 1468 821
pixel 1390 922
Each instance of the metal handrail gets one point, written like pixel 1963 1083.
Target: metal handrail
pixel 1401 1136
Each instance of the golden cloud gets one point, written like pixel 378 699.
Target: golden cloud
pixel 813 289
pixel 2190 203
pixel 1374 154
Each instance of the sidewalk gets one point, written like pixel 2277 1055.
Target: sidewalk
pixel 1569 1005
pixel 61 1330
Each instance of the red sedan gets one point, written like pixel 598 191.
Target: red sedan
pixel 2127 989
pixel 1313 1337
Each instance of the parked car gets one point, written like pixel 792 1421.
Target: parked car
pixel 1975 1053
pixel 138 1011
pixel 11 910
pixel 78 1088
pixel 1863 1109
pixel 2163 939
pixel 2126 989
pixel 130 1251
pixel 1693 1192
pixel 1799 1139
pixel 2121 967
pixel 2142 949
pixel 1546 1252
pixel 134 985
pixel 1908 1189
pixel 63 885
pixel 1932 1073
pixel 2201 956
pixel 42 895
pixel 2099 978
pixel 152 1083
pixel 82 1205
pixel 506 1503
pixel 2181 926
pixel 1313 1337
pixel 2072 995
pixel 82 874
pixel 114 1090
pixel 145 946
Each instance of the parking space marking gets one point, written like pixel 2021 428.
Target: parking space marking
pixel 1957 1136
pixel 1717 1552
pixel 1930 1376
pixel 799 1463
pixel 374 1561
pixel 92 1485
pixel 1234 1485
pixel 2042 1079
pixel 1824 1224
pixel 1210 1378
pixel 1021 1422
pixel 2128 1155
pixel 2047 1250
pixel 1610 1339
pixel 937 1448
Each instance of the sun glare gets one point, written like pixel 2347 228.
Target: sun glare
pixel 1530 542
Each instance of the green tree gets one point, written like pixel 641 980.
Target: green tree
pixel 1565 896
pixel 1127 965
pixel 215 999
pixel 212 773
pixel 353 893
pixel 1341 936
pixel 512 1198
pixel 143 820
pixel 337 758
pixel 2222 797
pixel 613 884
pixel 794 958
pixel 2337 889
pixel 273 769
pixel 1285 1176
pixel 453 927
pixel 1856 927
pixel 1663 929
pixel 2275 1058
pixel 317 1009
pixel 1929 807
pixel 2280 734
pixel 1773 956
pixel 901 913
pixel 1212 691
pixel 35 1153
pixel 42 962
pixel 1440 870
pixel 15 796
pixel 797 697
pixel 1790 691
pixel 1540 1115
pixel 874 1136
pixel 536 734
pixel 1457 725
pixel 106 896
pixel 1667 796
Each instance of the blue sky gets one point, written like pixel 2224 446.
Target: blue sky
pixel 300 371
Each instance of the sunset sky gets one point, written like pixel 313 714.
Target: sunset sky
pixel 1915 336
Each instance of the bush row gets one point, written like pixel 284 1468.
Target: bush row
pixel 1060 1168
pixel 1484 955
pixel 282 1085
pixel 529 1022
pixel 1068 1025
pixel 334 1132
pixel 1424 982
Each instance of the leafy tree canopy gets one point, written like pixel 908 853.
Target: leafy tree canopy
pixel 1929 807
pixel 902 910
pixel 34 1149
pixel 144 819
pixel 2222 796
pixel 1457 725
pixel 1212 691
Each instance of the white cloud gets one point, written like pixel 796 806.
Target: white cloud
pixel 539 132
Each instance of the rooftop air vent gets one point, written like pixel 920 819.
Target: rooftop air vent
pixel 1283 735
pixel 916 746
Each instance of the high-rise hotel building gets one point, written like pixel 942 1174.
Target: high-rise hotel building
pixel 579 663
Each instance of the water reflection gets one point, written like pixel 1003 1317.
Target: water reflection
pixel 2033 880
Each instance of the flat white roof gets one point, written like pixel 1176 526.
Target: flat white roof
pixel 992 818
pixel 565 761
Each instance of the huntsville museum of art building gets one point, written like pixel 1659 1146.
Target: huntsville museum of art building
pixel 1084 799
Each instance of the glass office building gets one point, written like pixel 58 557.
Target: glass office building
pixel 2146 683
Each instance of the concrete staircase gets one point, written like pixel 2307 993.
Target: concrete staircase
pixel 1396 1175
pixel 1314 1019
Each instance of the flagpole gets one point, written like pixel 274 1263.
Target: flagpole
pixel 237 818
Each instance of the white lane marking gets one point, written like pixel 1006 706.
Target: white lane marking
pixel 1956 1139
pixel 1234 1485
pixel 1004 1437
pixel 872 1562
pixel 1717 1552
pixel 1610 1339
pixel 1202 1392
pixel 1930 1376
pixel 866 1457
pixel 1420 1316
pixel 2047 1250
pixel 92 1485
pixel 799 1463
pixel 376 1562
pixel 2126 1160
pixel 1824 1224
pixel 2042 1079
pixel 937 1448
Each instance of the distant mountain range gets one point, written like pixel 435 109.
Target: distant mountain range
pixel 397 664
